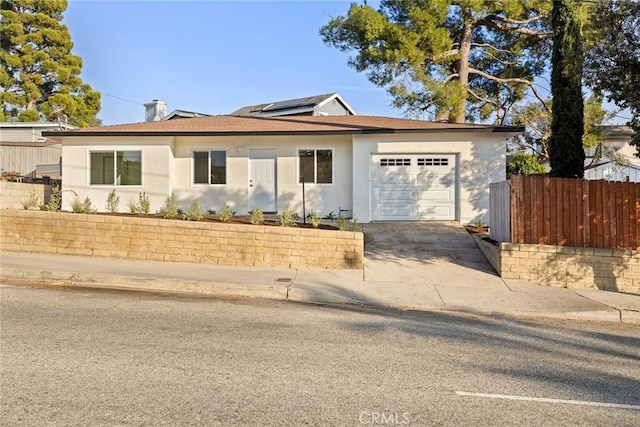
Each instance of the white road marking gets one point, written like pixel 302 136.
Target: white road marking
pixel 548 400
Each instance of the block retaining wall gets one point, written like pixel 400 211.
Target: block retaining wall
pixel 180 241
pixel 12 194
pixel 568 267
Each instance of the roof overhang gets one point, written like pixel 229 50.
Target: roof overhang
pixel 506 131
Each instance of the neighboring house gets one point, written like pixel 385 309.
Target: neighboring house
pixel 379 168
pixel 330 104
pixel 23 148
pixel 157 110
pixel 617 137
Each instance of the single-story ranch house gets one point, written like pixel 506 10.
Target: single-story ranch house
pixel 378 168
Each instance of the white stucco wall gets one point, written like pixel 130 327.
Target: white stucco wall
pixel 481 161
pixel 167 168
pixel 156 164
pixel 322 198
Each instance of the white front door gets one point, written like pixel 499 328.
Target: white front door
pixel 262 180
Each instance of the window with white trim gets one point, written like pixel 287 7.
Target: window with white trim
pixel 115 168
pixel 316 166
pixel 209 167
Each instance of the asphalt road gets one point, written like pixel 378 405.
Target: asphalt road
pixel 87 358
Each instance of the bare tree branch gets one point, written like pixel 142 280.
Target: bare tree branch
pixel 483 99
pixel 450 77
pixel 506 20
pixel 522 30
pixel 492 47
pixel 526 82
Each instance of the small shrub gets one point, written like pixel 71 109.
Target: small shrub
pixel 170 210
pixel 314 219
pixel 142 206
pixel 257 217
pixel 226 213
pixel 143 202
pixel 480 224
pixel 55 200
pixel 524 164
pixel 330 216
pixel 33 201
pixel 195 212
pixel 211 212
pixel 346 224
pixel 133 207
pixel 84 206
pixel 112 201
pixel 287 217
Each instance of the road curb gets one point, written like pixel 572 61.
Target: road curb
pixel 213 288
pixel 279 291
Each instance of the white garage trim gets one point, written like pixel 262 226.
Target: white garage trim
pixel 414 186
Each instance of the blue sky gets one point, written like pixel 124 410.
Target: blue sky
pixel 212 56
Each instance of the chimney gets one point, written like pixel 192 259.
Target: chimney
pixel 155 110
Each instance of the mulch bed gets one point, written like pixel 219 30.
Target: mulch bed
pixel 216 219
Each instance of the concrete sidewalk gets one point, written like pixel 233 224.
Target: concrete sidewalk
pixel 482 292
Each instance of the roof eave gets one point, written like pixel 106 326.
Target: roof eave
pixel 367 131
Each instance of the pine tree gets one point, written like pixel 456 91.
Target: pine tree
pixel 460 60
pixel 566 154
pixel 39 76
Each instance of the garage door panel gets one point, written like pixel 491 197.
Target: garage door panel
pixel 396 178
pixel 413 186
pixel 391 195
pixel 400 211
pixel 435 179
pixel 431 195
pixel 435 212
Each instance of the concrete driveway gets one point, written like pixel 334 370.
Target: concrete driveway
pixel 428 252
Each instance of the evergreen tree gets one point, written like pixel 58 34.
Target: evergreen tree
pixel 566 154
pixel 459 59
pixel 612 65
pixel 39 76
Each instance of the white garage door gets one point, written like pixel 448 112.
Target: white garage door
pixel 413 186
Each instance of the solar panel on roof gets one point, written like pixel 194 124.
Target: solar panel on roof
pixel 288 105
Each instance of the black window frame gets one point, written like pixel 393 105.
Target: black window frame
pixel 318 175
pixel 216 174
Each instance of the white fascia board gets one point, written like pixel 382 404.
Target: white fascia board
pixel 341 100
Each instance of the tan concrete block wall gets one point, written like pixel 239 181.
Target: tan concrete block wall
pixel 570 267
pixel 12 194
pixel 174 240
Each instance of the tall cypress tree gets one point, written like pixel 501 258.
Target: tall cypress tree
pixel 566 154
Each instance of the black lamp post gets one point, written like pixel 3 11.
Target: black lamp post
pixel 306 153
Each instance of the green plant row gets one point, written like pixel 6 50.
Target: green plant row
pixel 288 218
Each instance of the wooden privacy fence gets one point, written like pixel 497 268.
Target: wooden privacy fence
pixel 567 212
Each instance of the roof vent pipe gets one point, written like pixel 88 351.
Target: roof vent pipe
pixel 155 110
